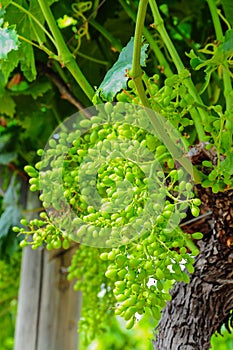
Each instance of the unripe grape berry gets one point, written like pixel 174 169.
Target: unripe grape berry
pixel 130 323
pixel 65 244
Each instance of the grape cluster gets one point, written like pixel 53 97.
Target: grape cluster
pixel 154 256
pixel 109 182
pixel 119 279
pixel 42 231
pixel 97 297
pixel 103 178
pixel 219 142
pixel 172 99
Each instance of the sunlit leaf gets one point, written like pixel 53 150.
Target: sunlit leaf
pixel 116 78
pixel 66 21
pixel 8 41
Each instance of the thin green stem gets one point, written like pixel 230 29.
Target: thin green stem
pixel 199 115
pixel 116 44
pixel 35 20
pixel 136 72
pixel 40 47
pixel 61 72
pixel 219 35
pixel 64 54
pixel 153 45
pixel 156 120
pixel 136 69
pixel 89 58
pixel 215 18
pixel 159 26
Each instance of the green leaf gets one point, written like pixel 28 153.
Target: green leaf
pixel 19 87
pixel 6 158
pixel 66 21
pixel 9 218
pixel 116 78
pixel 26 29
pixel 5 3
pixel 226 141
pixel 36 31
pixel 227 46
pixel 2 83
pixel 9 65
pixel 11 214
pixel 226 164
pixel 7 104
pixel 207 163
pixel 228 10
pixel 8 41
pixel 27 62
pixel 195 61
pixel 35 89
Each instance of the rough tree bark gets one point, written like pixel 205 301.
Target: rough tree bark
pixel 199 308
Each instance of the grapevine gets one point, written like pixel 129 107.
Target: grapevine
pixel 117 179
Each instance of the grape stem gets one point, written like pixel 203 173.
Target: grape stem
pixel 153 45
pixel 219 35
pixel 65 57
pixel 136 74
pixel 185 223
pixel 199 115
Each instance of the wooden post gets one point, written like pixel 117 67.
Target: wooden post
pixel 29 295
pixel 59 306
pixel 48 307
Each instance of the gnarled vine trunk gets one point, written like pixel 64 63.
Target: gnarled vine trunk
pixel 199 308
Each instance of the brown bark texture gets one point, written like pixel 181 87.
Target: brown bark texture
pixel 201 307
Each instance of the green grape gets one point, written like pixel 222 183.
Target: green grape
pixel 195 211
pixel 85 123
pixel 171 81
pixel 65 244
pixel 131 84
pixel 159 273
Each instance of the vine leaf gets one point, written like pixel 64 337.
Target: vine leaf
pixel 11 213
pixel 226 48
pixel 6 158
pixel 7 104
pixel 8 39
pixel 228 10
pixel 116 78
pixel 226 164
pixel 24 55
pixel 34 89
